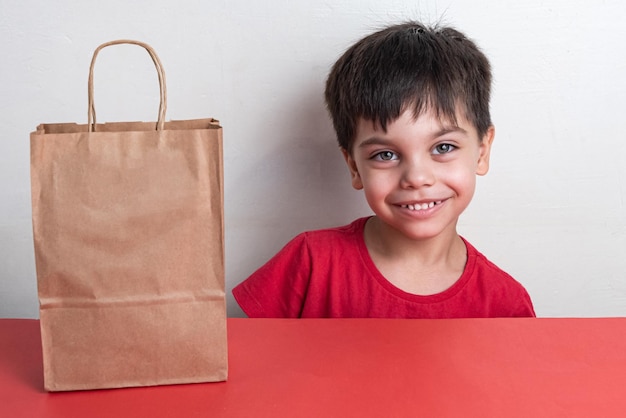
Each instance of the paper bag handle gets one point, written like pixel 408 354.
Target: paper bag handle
pixel 91 118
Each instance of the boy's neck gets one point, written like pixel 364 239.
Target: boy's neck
pixel 422 267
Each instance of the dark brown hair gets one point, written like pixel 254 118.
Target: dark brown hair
pixel 408 66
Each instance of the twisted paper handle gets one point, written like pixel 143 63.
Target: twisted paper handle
pixel 91 117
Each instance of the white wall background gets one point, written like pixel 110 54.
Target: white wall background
pixel 551 211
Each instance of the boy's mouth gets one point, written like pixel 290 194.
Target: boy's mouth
pixel 421 206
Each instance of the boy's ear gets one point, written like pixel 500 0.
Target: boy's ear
pixel 354 172
pixel 485 151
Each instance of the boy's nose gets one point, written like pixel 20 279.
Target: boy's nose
pixel 417 174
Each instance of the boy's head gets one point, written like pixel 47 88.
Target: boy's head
pixel 409 66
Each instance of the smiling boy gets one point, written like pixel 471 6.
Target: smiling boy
pixel 410 105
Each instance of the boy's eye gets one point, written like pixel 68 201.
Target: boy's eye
pixel 443 148
pixel 385 156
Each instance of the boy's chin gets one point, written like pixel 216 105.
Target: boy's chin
pixel 416 231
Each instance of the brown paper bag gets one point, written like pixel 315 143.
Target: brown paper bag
pixel 128 233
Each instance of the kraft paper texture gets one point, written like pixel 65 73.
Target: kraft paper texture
pixel 129 249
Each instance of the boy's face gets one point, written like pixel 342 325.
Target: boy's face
pixel 420 175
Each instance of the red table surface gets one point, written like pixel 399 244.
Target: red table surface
pixel 361 368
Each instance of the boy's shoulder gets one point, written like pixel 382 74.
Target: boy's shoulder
pixel 489 279
pixel 483 265
pixel 333 243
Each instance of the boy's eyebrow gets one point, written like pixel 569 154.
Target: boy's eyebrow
pixel 375 140
pixel 449 128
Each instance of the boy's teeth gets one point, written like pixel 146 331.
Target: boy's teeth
pixel 421 206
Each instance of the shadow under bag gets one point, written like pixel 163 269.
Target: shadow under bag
pixel 128 229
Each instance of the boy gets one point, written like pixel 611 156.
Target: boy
pixel 410 105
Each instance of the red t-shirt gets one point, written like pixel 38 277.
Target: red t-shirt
pixel 329 274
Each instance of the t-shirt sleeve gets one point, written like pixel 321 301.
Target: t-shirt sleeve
pixel 278 288
pixel 524 308
pixel 498 294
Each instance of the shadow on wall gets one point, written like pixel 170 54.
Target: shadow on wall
pixel 300 183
